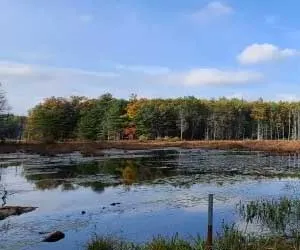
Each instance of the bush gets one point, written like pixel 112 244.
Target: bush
pixel 171 139
pixel 174 139
pixel 143 138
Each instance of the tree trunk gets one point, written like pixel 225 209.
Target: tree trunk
pixel 258 130
pixel 289 133
pixel 295 125
pixel 298 125
pixel 271 131
pixel 214 122
pixel 206 133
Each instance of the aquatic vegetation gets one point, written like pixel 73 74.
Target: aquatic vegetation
pixel 110 243
pixel 229 239
pixel 157 243
pixel 175 242
pixel 279 216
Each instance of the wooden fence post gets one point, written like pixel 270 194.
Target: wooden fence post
pixel 210 221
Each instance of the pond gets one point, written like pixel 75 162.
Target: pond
pixel 135 195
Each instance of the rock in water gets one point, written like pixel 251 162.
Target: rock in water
pixel 115 203
pixel 55 236
pixel 14 210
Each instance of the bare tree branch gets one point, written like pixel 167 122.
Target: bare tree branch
pixel 3 101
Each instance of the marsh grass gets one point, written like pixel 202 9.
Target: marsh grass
pixel 279 217
pixel 157 243
pixel 174 243
pixel 110 243
pixel 94 148
pixel 229 239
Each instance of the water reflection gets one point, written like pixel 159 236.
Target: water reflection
pixel 178 167
pixel 99 174
pixel 52 184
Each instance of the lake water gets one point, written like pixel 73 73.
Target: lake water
pixel 159 191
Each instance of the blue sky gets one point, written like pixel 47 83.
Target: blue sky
pixel 233 48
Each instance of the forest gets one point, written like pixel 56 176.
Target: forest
pixel 187 118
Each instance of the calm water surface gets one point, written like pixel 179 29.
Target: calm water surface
pixel 160 192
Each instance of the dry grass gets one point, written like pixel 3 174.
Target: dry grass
pixel 95 148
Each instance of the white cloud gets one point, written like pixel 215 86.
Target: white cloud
pixel 192 77
pixel 236 96
pixel 27 84
pixel 151 70
pixel 258 53
pixel 211 76
pixel 86 18
pixel 286 97
pixel 15 70
pixel 212 10
pixel 9 70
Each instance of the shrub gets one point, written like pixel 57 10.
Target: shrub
pixel 143 138
pixel 174 139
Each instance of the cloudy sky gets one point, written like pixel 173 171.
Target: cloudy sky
pixel 232 48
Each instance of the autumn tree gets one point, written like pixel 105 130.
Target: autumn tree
pixel 52 120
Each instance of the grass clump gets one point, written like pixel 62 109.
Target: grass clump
pixel 110 243
pixel 157 243
pixel 174 243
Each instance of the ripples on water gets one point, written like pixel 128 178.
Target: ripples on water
pixel 160 191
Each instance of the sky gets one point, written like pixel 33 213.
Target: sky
pixel 208 49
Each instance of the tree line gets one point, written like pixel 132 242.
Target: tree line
pixel 188 118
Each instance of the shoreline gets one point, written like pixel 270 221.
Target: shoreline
pixel 95 148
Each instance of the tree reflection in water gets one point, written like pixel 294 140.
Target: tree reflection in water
pixel 100 174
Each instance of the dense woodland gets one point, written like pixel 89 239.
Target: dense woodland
pixel 188 118
pixel 109 118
